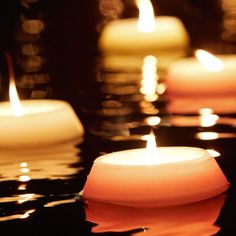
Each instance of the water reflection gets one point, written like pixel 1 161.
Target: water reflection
pixel 149 80
pixel 31 176
pixel 214 135
pixel 220 105
pixel 208 120
pixel 130 99
pixel 193 219
pixel 47 163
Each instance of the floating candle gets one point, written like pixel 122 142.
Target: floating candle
pixel 45 122
pixel 203 77
pixel 125 42
pixel 164 176
pixel 36 123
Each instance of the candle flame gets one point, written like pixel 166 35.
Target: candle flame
pixel 14 99
pixel 146 21
pixel 151 142
pixel 15 102
pixel 213 152
pixel 210 62
pixel 151 148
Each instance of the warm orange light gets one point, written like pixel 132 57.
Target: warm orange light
pixel 151 149
pixel 213 152
pixel 24 164
pixel 26 197
pixel 146 21
pixel 210 62
pixel 27 214
pixel 149 81
pixel 207 118
pixel 14 100
pixel 207 135
pixel 151 142
pixel 205 111
pixel 24 178
pixel 153 120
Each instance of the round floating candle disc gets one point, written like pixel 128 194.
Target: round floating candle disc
pixel 165 177
pixel 44 123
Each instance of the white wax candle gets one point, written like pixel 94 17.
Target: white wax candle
pixel 124 45
pixel 45 122
pixel 188 78
pixel 171 176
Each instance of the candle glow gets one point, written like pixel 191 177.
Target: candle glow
pixel 210 62
pixel 207 117
pixel 146 21
pixel 149 81
pixel 35 123
pixel 190 78
pixel 15 102
pixel 14 99
pixel 125 42
pixel 170 176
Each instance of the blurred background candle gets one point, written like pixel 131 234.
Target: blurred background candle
pixel 204 76
pixel 155 177
pixel 131 39
pixel 206 81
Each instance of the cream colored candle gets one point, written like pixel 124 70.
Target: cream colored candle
pixel 32 124
pixel 162 176
pixel 42 123
pixel 125 42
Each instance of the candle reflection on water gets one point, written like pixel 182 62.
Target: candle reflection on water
pixel 53 162
pixel 56 166
pixel 129 99
pixel 193 219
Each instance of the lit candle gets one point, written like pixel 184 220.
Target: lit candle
pixel 204 76
pixel 45 122
pixel 162 176
pixel 36 123
pixel 125 42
